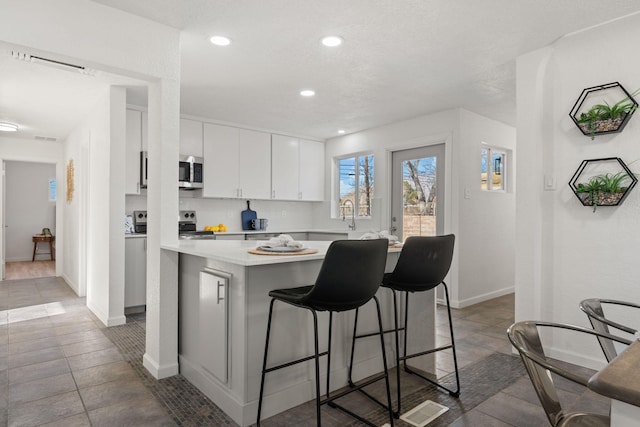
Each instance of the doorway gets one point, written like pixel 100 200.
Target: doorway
pixel 417 194
pixel 29 210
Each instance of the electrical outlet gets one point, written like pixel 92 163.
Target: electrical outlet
pixel 284 213
pixel 229 214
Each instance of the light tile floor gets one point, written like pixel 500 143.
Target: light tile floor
pixel 59 366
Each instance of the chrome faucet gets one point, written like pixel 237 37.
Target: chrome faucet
pixel 352 226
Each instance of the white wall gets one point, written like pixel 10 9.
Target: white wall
pixel 565 252
pixel 461 131
pixel 95 249
pixel 28 208
pixel 486 240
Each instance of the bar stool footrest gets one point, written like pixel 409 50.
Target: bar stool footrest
pixel 373 334
pixel 423 353
pixel 295 362
pixel 408 370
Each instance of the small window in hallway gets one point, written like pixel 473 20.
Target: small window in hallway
pixel 53 190
pixel 493 163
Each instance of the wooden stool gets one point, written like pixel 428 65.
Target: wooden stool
pixel 38 238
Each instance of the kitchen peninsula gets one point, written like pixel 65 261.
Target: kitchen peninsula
pixel 223 308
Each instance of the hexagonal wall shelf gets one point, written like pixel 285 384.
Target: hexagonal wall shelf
pixel 603 109
pixel 602 182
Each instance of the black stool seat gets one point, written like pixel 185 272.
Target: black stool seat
pixel 422 266
pixel 350 276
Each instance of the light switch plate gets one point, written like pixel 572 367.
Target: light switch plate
pixel 549 183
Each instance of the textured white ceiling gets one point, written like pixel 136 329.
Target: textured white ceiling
pixel 400 58
pixel 49 101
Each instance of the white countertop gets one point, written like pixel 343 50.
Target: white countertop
pixel 274 231
pixel 286 231
pixel 236 251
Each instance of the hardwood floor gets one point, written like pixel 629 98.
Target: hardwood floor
pixel 29 270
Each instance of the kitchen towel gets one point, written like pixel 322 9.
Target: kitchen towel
pixel 380 235
pixel 281 241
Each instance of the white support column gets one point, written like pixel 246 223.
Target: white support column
pixel 161 356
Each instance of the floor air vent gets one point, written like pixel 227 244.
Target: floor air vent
pixel 424 413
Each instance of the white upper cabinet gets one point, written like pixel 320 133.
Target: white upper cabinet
pixel 236 163
pixel 254 166
pixel 132 150
pixel 191 138
pixel 311 170
pixel 284 167
pixel 221 159
pixel 297 169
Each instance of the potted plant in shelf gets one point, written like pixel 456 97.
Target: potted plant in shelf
pixel 606 118
pixel 603 190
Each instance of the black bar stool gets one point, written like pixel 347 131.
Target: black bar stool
pixel 349 277
pixel 422 265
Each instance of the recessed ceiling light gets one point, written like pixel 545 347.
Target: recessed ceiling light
pixel 307 92
pixel 341 131
pixel 8 127
pixel 332 41
pixel 220 40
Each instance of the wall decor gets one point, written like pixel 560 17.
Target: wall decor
pixel 603 109
pixel 602 182
pixel 70 171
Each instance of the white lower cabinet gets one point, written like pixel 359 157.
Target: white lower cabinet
pixel 135 271
pixel 212 323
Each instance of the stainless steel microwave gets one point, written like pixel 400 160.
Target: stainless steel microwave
pixel 189 171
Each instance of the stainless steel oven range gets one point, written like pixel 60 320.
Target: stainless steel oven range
pixel 187 227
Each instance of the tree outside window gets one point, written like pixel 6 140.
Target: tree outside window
pixel 355 178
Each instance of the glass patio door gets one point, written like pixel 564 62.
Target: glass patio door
pixel 417 194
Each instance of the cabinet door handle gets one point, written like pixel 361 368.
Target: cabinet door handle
pixel 221 292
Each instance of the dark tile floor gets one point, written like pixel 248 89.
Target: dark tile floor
pixel 60 367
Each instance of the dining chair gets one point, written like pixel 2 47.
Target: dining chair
pixel 525 337
pixel 592 307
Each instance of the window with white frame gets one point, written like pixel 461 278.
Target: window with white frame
pixel 355 185
pixel 493 169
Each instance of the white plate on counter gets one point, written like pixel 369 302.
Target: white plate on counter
pixel 281 249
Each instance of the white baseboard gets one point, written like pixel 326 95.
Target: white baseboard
pixel 479 298
pixel 596 363
pixel 71 284
pixel 159 372
pixel 106 320
pixel 18 259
